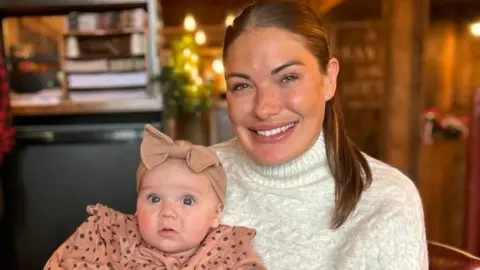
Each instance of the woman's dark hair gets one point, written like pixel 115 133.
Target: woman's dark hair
pixel 349 167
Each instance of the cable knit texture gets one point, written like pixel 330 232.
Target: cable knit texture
pixel 291 206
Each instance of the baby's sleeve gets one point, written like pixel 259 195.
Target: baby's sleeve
pixel 86 248
pixel 250 262
pixel 244 257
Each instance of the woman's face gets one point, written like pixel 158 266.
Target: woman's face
pixel 276 93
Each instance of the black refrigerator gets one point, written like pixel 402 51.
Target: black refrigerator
pixel 60 165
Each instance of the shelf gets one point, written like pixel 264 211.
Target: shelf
pixel 73 107
pixel 35 59
pixel 83 58
pixel 86 103
pixel 105 72
pixel 104 32
pixel 11 8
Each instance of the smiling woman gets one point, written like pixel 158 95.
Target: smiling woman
pixel 277 93
pixel 317 201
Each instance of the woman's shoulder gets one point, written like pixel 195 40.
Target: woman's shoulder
pixel 391 188
pixel 228 146
pixel 391 212
pixel 228 150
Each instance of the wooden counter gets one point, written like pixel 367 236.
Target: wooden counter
pixel 83 107
pixel 112 102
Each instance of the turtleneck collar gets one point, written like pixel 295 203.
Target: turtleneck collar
pixel 309 167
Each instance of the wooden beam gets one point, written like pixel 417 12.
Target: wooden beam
pixel 447 57
pixel 407 23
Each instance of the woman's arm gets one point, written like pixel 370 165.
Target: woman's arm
pixel 397 237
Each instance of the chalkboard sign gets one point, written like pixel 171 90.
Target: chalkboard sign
pixel 360 49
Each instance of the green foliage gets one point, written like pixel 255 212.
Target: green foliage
pixel 183 90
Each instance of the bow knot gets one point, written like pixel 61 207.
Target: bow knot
pixel 157 147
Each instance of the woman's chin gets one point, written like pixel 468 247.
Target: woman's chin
pixel 268 150
pixel 270 155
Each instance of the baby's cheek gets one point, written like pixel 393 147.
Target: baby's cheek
pixel 145 222
pixel 199 227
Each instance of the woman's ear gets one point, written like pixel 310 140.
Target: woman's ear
pixel 331 78
pixel 216 218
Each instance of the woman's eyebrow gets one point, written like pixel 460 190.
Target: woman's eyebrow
pixel 289 63
pixel 235 74
pixel 273 72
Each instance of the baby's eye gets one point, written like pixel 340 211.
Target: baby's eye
pixel 153 199
pixel 188 200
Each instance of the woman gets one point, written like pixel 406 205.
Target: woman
pixel 294 175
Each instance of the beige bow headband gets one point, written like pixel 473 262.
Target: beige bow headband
pixel 157 147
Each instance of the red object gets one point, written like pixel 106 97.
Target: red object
pixel 472 222
pixel 443 257
pixel 7 132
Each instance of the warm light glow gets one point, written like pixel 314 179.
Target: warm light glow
pixel 187 52
pixel 189 23
pixel 196 77
pixel 198 80
pixel 475 29
pixel 188 67
pixel 194 72
pixel 194 57
pixel 194 88
pixel 200 37
pixel 217 66
pixel 229 20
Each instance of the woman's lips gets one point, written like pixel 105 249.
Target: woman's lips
pixel 273 133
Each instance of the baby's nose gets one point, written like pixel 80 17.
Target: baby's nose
pixel 168 211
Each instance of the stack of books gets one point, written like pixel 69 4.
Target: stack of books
pixel 105 50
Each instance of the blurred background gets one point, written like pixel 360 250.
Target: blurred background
pixel 85 75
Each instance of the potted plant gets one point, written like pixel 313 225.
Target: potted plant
pixel 187 95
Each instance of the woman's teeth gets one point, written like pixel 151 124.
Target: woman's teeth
pixel 275 131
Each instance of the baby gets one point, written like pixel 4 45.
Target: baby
pixel 181 190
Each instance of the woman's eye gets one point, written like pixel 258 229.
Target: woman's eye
pixel 188 201
pixel 239 86
pixel 153 199
pixel 289 78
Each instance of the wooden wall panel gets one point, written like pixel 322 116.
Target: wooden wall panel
pixel 452 57
pixel 360 49
pixel 441 182
pixel 472 235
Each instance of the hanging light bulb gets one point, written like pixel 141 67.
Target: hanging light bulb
pixel 229 20
pixel 200 37
pixel 475 29
pixel 189 23
pixel 217 66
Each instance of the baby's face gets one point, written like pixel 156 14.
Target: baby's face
pixel 176 207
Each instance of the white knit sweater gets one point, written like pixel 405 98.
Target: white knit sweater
pixel 290 205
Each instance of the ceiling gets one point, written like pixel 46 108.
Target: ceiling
pixel 214 11
pixel 458 9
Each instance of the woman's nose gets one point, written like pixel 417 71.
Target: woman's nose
pixel 267 104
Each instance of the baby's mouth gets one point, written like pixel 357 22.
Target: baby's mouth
pixel 167 231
